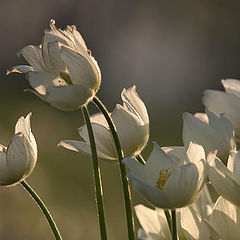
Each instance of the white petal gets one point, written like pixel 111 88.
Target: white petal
pixel 154 225
pixel 225 219
pixel 79 68
pixel 69 97
pixel 103 138
pixel 234 164
pixel 232 86
pixel 134 104
pixel 33 55
pixel 20 69
pixel 83 147
pixel 202 116
pixel 132 135
pixel 177 153
pixel 224 182
pixel 195 153
pixel 154 195
pixel 100 119
pixel 5 177
pixel 40 81
pixel 181 186
pixel 220 102
pixel 21 157
pixel 23 125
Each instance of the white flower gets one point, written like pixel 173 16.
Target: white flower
pixel 225 219
pixel 62 71
pixel 226 180
pixel 227 103
pixel 210 131
pixel 166 183
pixel 132 125
pixel 18 159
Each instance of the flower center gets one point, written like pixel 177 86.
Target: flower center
pixel 164 175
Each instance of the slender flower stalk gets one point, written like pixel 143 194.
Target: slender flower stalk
pixel 44 209
pixel 125 183
pixel 174 225
pixel 97 176
pixel 168 217
pixel 140 159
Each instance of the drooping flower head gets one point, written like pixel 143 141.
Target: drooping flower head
pixel 132 125
pixel 62 70
pixel 18 159
pixel 165 182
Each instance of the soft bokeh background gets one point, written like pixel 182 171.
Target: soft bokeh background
pixel 171 50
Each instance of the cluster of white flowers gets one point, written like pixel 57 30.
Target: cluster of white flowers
pixel 63 73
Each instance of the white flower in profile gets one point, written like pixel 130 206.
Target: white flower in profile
pixel 166 183
pixel 226 180
pixel 225 219
pixel 18 159
pixel 62 71
pixel 227 103
pixel 132 125
pixel 210 131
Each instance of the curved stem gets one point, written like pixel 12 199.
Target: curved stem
pixel 44 209
pixel 97 176
pixel 140 159
pixel 168 217
pixel 174 225
pixel 125 183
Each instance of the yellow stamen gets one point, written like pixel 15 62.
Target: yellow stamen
pixel 164 175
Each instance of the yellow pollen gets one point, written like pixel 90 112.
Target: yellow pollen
pixel 164 175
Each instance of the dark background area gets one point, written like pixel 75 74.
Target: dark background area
pixel 171 50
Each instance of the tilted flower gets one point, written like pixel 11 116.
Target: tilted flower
pixel 166 183
pixel 226 180
pixel 225 219
pixel 132 125
pixel 226 103
pixel 210 131
pixel 62 70
pixel 18 159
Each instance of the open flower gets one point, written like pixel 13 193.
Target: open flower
pixel 226 103
pixel 166 183
pixel 62 71
pixel 226 180
pixel 132 125
pixel 210 131
pixel 18 159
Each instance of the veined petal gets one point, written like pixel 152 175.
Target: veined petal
pixel 103 138
pixel 69 97
pixel 23 125
pixel 195 153
pixel 20 69
pixel 179 190
pixel 224 181
pixel 220 102
pixel 234 164
pixel 225 219
pixel 33 55
pixel 154 195
pixel 5 177
pixel 21 157
pixel 154 224
pixel 100 119
pixel 40 81
pixel 177 153
pixel 132 135
pixel 232 86
pixel 134 104
pixel 79 68
pixel 83 147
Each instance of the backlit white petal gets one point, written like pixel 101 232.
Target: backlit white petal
pixel 232 86
pixel 234 164
pixel 20 69
pixel 177 153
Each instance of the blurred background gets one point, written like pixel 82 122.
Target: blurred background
pixel 171 50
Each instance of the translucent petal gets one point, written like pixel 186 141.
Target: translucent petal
pixel 234 164
pixel 20 69
pixel 232 86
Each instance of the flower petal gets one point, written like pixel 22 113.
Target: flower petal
pixel 69 97
pixel 40 81
pixel 132 135
pixel 20 69
pixel 80 146
pixel 5 177
pixel 33 55
pixel 80 70
pixel 134 104
pixel 181 186
pixel 232 86
pixel 234 164
pixel 177 153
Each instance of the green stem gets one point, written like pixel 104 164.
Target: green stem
pixel 174 225
pixel 44 210
pixel 125 183
pixel 140 159
pixel 168 217
pixel 97 176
